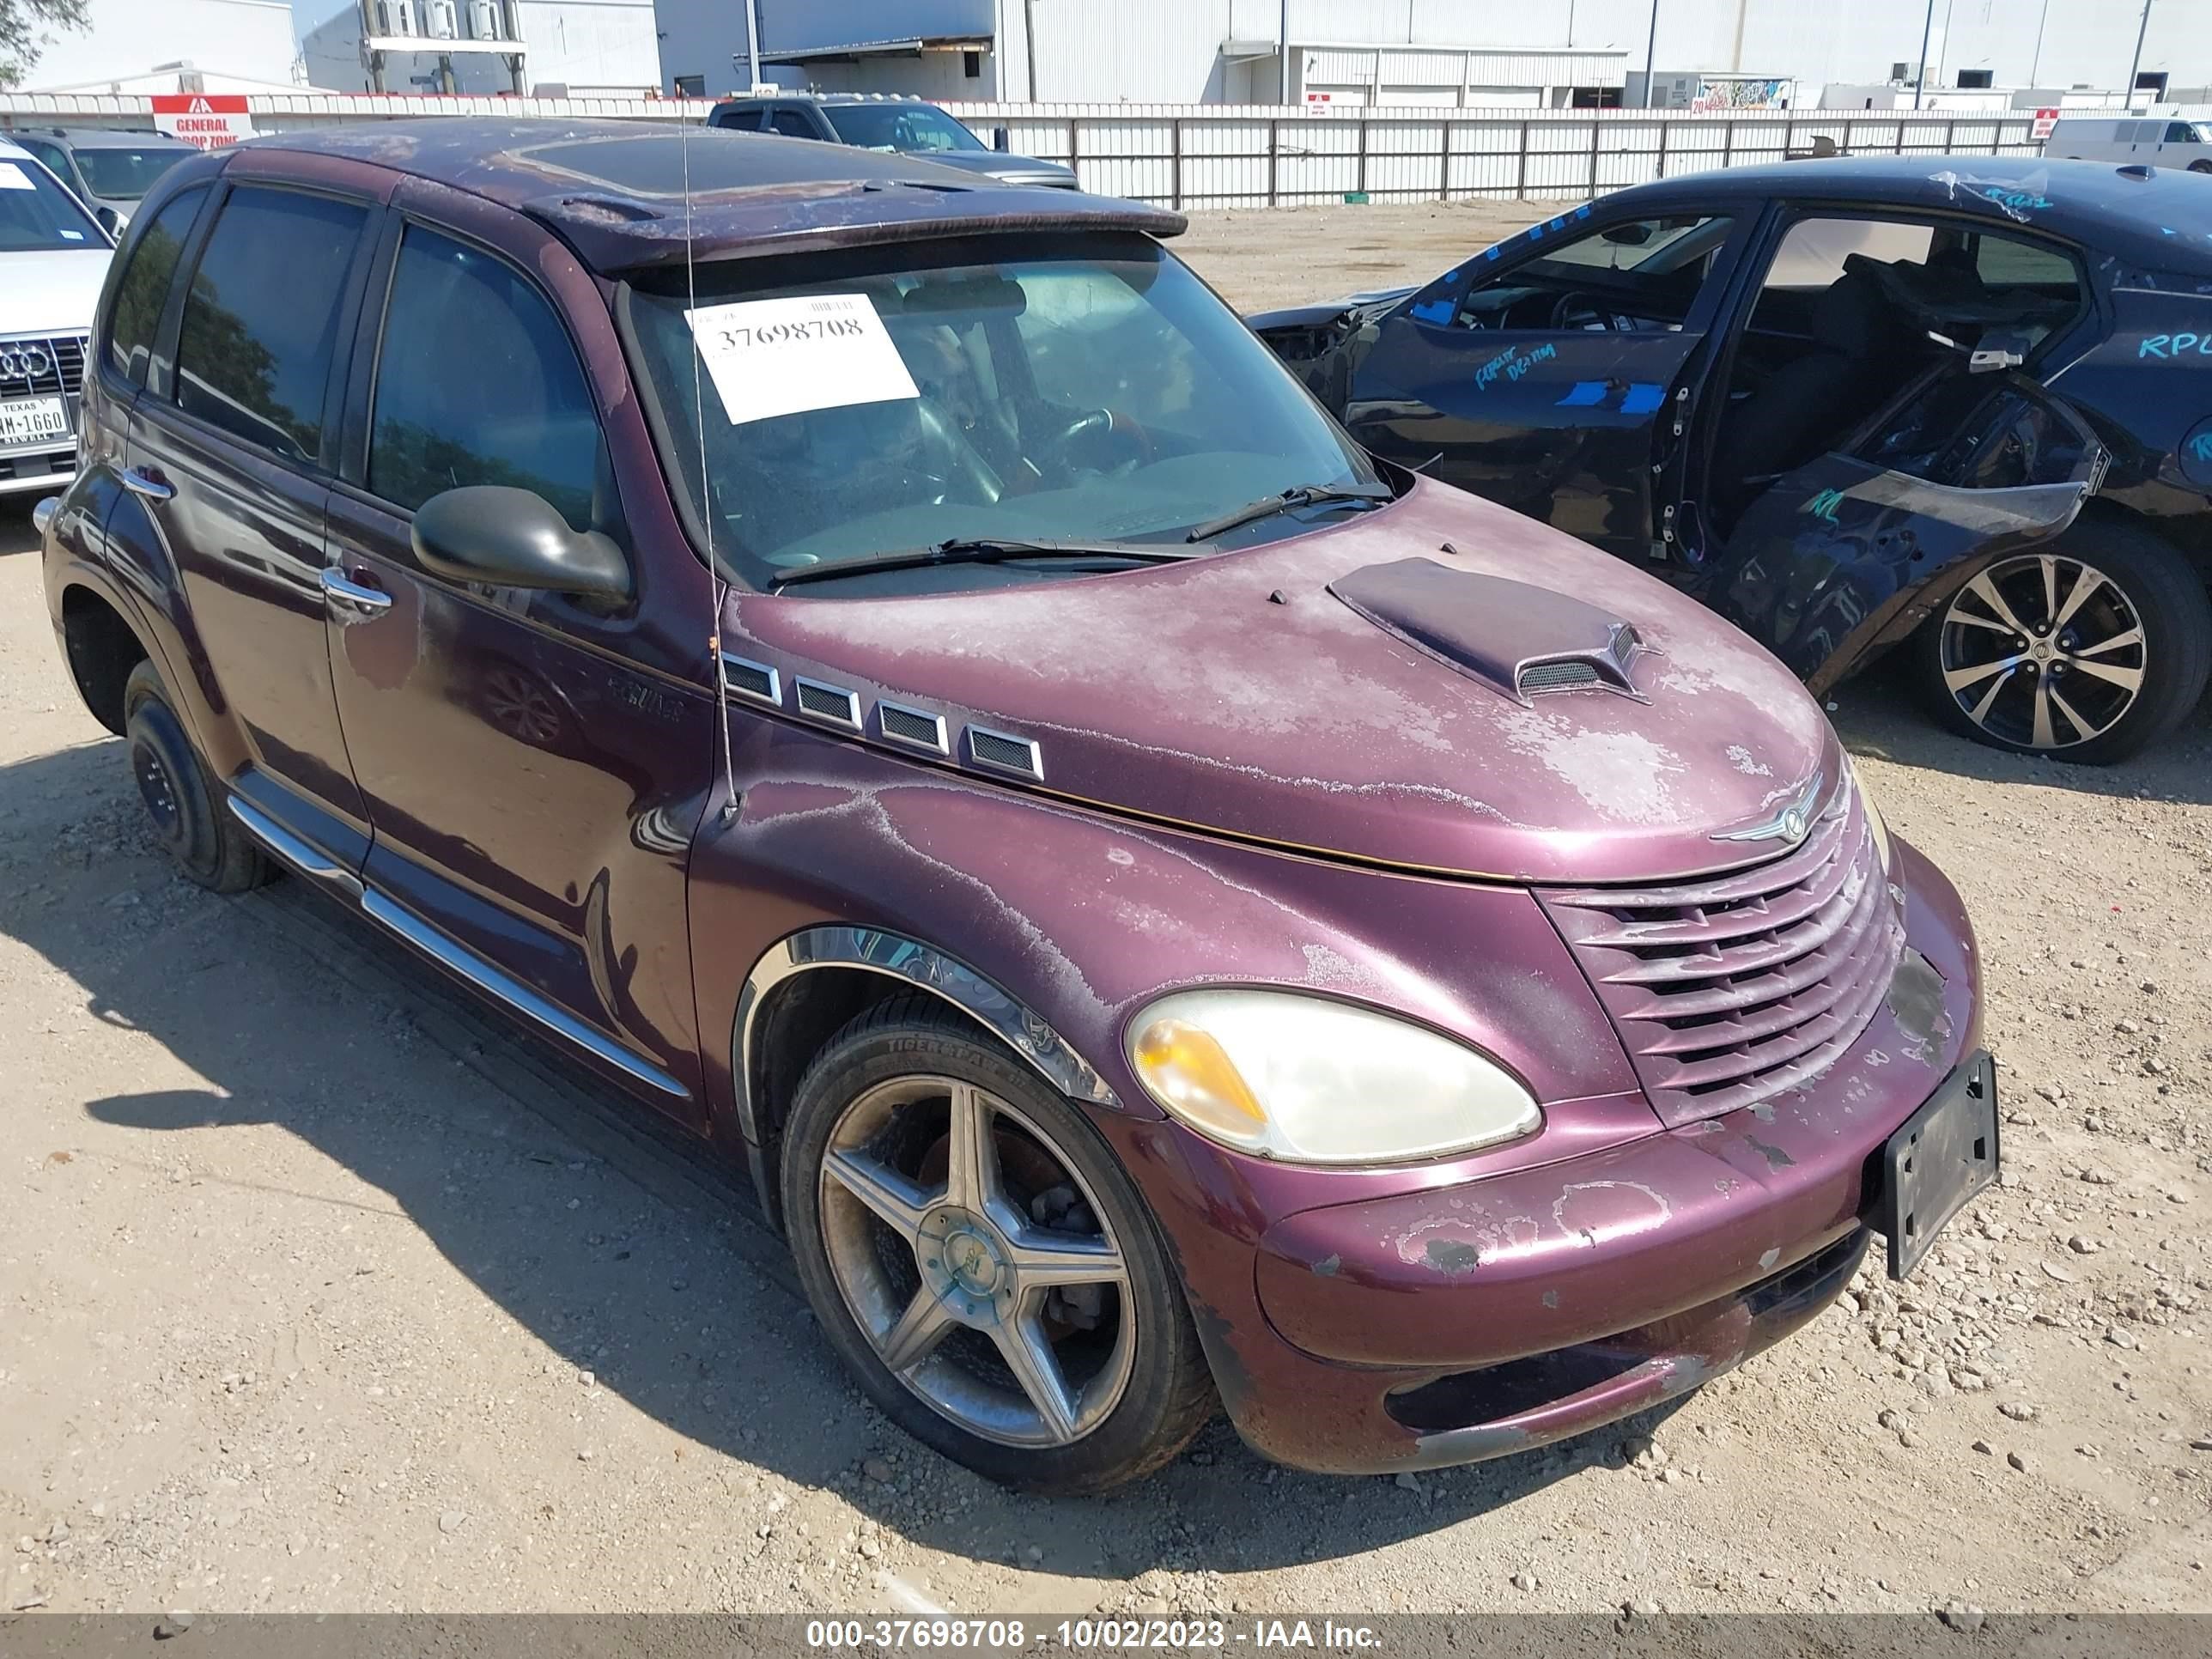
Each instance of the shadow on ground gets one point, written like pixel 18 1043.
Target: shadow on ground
pixel 298 1016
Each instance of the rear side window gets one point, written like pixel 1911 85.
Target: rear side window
pixel 740 120
pixel 144 289
pixel 477 383
pixel 262 317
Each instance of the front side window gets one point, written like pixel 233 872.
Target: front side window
pixel 792 125
pixel 899 127
pixel 1068 388
pixel 144 288
pixel 115 173
pixel 1636 276
pixel 261 318
pixel 37 215
pixel 476 383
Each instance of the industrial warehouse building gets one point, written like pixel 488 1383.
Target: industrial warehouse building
pixel 1538 53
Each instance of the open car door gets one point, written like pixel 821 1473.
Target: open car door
pixel 1850 552
pixel 1537 374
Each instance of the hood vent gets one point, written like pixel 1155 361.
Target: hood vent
pixel 1523 640
pixel 998 751
pixel 912 728
pixel 833 705
pixel 752 679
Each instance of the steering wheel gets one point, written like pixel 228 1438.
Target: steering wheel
pixel 1103 423
pixel 1573 305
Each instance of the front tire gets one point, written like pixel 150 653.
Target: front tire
pixel 978 1256
pixel 2089 649
pixel 209 845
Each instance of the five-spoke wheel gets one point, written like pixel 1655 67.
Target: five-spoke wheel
pixel 975 1261
pixel 981 1260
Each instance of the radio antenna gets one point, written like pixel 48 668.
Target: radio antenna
pixel 720 587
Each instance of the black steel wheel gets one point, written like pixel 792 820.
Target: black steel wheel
pixel 209 845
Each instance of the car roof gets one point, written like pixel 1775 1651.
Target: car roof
pixel 110 138
pixel 615 190
pixel 813 97
pixel 2148 216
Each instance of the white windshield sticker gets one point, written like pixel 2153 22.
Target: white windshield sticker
pixel 14 178
pixel 770 357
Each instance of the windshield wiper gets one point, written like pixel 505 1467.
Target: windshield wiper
pixel 1301 495
pixel 983 549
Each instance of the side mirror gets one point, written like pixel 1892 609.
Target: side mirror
pixel 110 220
pixel 1635 234
pixel 515 538
pixel 1001 140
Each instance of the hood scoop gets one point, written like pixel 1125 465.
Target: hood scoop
pixel 1526 641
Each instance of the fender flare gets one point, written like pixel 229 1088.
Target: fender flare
pixel 925 968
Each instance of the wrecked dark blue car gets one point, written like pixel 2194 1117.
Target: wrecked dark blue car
pixel 1960 405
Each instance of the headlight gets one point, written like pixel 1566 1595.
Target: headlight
pixel 1874 820
pixel 1311 1081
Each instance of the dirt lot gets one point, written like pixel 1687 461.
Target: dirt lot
pixel 318 1292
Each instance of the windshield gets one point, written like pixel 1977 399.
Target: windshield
pixel 125 175
pixel 1065 388
pixel 37 215
pixel 899 126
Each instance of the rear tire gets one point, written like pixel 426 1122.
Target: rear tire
pixel 2130 660
pixel 184 811
pixel 972 1296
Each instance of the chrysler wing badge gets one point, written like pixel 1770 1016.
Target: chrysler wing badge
pixel 1790 823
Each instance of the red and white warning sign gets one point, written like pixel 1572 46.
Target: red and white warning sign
pixel 2045 120
pixel 210 120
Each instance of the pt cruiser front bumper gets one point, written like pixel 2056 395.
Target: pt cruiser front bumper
pixel 1474 1319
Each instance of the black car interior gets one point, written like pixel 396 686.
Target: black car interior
pixel 1814 363
pixel 1642 275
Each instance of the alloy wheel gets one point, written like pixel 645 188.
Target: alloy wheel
pixel 976 1262
pixel 2043 651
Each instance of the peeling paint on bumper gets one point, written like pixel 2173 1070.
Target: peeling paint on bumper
pixel 1624 1277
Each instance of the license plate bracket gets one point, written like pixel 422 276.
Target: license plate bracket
pixel 1938 1159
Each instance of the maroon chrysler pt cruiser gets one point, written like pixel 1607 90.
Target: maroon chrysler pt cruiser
pixel 1174 913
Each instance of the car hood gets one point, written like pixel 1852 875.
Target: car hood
pixel 997 164
pixel 51 293
pixel 1363 691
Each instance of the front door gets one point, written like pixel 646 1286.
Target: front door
pixel 228 458
pixel 1547 373
pixel 533 768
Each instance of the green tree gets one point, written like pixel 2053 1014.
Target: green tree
pixel 24 24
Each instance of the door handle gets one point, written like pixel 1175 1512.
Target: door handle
pixel 348 602
pixel 144 483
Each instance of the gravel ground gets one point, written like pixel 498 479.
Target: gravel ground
pixel 320 1292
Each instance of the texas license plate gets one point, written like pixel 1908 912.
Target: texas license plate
pixel 32 421
pixel 1944 1154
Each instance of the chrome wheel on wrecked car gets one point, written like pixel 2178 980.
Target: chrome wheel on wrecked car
pixel 2043 651
pixel 2087 650
pixel 978 1256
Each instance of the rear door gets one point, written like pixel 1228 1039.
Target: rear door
pixel 1549 372
pixel 227 463
pixel 1852 549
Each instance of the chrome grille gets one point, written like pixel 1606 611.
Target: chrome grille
pixel 1728 991
pixel 42 365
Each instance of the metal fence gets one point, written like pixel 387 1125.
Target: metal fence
pixel 1207 156
pixel 1197 158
